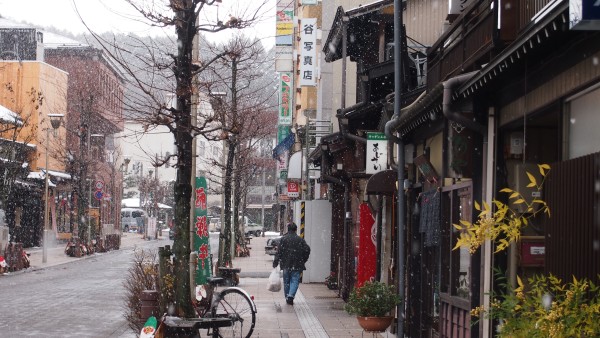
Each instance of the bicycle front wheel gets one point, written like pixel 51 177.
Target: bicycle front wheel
pixel 236 305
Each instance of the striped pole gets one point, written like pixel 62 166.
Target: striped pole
pixel 302 223
pixel 302 218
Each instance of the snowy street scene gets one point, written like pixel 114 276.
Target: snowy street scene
pixel 299 168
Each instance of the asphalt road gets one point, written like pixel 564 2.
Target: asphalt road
pixel 84 298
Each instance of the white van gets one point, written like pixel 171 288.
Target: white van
pixel 132 219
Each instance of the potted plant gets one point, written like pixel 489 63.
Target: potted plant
pixel 331 281
pixel 371 303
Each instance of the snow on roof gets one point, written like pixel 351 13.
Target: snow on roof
pixel 9 116
pixel 5 23
pixel 52 40
pixel 39 175
pixel 135 203
pixel 59 174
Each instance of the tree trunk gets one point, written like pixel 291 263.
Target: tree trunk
pixel 185 30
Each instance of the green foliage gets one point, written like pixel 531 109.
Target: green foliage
pixel 503 225
pixel 373 299
pixel 547 308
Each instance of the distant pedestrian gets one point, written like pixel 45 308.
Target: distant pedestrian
pixel 293 252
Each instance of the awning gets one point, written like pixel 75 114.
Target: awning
pixel 9 116
pixel 295 165
pixel 382 183
pixel 286 144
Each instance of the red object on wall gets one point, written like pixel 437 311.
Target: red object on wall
pixel 367 251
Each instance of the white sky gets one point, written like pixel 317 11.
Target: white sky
pixel 119 17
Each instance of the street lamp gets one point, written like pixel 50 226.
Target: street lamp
pixel 55 120
pixel 89 218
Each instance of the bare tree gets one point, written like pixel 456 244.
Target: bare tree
pixel 174 72
pixel 241 63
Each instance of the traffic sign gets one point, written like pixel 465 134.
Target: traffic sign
pixel 98 195
pixel 99 184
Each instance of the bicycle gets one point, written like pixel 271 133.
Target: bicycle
pixel 227 313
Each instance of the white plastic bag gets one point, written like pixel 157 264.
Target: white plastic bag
pixel 274 284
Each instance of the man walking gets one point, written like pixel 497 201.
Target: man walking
pixel 292 253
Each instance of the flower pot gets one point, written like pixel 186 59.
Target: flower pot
pixel 375 324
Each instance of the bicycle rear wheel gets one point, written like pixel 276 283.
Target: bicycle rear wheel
pixel 236 305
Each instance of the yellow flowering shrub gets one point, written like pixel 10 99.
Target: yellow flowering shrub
pixel 503 225
pixel 547 308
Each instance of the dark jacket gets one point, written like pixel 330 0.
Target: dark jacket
pixel 292 253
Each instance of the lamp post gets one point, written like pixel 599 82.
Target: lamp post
pixel 90 203
pixel 124 172
pixel 55 120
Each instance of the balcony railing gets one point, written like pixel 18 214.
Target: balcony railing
pixel 476 36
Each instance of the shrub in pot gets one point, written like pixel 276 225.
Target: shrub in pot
pixel 371 301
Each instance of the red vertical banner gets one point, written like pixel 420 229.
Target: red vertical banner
pixel 367 253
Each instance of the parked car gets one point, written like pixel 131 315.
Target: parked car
pixel 272 245
pixel 253 229
pixel 132 219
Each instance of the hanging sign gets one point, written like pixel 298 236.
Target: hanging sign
pixel 376 155
pixel 293 190
pixel 284 23
pixel 201 237
pixel 285 98
pixel 308 52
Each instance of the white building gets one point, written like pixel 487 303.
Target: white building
pixel 144 146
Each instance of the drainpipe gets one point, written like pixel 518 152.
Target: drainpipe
pixel 487 184
pixel 344 54
pixel 400 200
pixel 449 86
pixel 392 123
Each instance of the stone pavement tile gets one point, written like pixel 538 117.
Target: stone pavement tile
pixel 275 318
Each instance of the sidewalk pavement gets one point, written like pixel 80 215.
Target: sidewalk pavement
pixel 317 311
pixel 55 253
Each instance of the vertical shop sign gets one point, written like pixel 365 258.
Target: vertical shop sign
pixel 282 165
pixel 285 98
pixel 293 189
pixel 376 156
pixel 201 238
pixel 308 52
pixel 284 22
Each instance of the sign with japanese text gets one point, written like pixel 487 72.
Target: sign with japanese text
pixel 293 189
pixel 285 98
pixel 201 237
pixel 284 23
pixel 282 161
pixel 308 52
pixel 376 156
